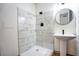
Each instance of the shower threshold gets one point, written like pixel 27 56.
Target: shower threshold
pixel 38 51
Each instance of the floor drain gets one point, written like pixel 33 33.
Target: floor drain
pixel 37 49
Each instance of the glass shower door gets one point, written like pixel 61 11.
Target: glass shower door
pixel 26 30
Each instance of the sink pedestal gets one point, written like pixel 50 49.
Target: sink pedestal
pixel 63 46
pixel 63 42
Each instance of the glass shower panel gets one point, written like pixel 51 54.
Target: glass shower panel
pixel 26 30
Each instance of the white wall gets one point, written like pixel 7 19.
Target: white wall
pixel 77 31
pixel 9 40
pixel 68 29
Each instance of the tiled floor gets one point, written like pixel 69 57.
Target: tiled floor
pixel 38 51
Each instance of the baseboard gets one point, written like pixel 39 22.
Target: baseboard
pixel 57 53
pixel 70 55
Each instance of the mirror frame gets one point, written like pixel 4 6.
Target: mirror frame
pixel 61 10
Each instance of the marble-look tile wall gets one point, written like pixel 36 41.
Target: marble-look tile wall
pixel 44 34
pixel 26 23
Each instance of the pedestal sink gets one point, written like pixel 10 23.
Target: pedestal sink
pixel 63 41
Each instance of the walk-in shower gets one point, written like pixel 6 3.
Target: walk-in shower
pixel 35 37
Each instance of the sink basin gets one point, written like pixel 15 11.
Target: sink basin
pixel 65 36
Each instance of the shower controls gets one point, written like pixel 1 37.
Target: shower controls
pixel 41 12
pixel 41 24
pixel 62 3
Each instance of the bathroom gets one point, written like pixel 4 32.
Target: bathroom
pixel 34 29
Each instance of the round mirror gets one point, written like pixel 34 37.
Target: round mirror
pixel 64 16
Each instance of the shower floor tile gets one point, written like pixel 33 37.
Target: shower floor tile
pixel 38 51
